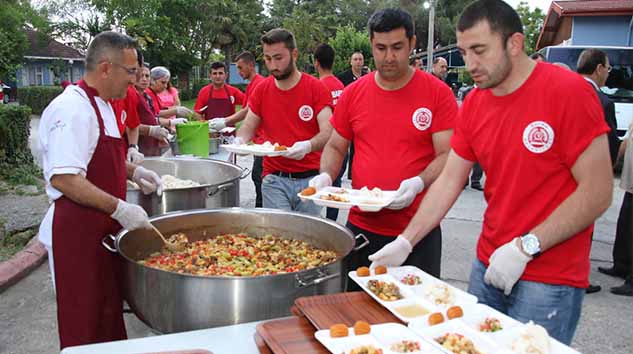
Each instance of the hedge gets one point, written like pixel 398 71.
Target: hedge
pixel 16 161
pixel 38 97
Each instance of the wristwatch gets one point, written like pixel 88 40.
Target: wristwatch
pixel 531 245
pixel 133 146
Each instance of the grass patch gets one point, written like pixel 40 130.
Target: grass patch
pixel 14 243
pixel 189 103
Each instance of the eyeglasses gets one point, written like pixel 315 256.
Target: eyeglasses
pixel 129 71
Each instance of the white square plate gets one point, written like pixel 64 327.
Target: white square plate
pixel 352 197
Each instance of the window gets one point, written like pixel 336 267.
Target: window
pixel 39 75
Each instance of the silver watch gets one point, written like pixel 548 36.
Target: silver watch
pixel 531 245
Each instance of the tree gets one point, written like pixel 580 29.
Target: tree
pixel 347 41
pixel 532 23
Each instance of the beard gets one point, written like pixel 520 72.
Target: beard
pixel 284 74
pixel 500 73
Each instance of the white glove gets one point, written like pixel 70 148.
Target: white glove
pixel 131 216
pixel 237 141
pixel 507 264
pixel 321 181
pixel 147 180
pixel 409 188
pixel 393 254
pixel 159 133
pixel 183 111
pixel 299 150
pixel 134 156
pixel 217 123
pixel 174 122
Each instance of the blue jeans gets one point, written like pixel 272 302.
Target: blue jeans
pixel 555 307
pixel 281 193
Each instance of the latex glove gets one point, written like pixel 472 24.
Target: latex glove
pixel 134 156
pixel 237 141
pixel 507 264
pixel 183 111
pixel 176 121
pixel 299 150
pixel 131 216
pixel 159 133
pixel 393 254
pixel 217 123
pixel 409 188
pixel 321 181
pixel 147 180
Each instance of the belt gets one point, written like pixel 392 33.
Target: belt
pixel 296 175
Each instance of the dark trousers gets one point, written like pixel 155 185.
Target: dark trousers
pixel 426 255
pixel 349 162
pixel 475 177
pixel 256 176
pixel 623 246
pixel 332 213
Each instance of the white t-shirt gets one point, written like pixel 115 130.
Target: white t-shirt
pixel 68 135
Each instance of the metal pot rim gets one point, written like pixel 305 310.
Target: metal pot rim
pixel 232 210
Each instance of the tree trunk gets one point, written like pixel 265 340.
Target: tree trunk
pixel 228 59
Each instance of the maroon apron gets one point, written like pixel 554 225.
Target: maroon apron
pixel 219 107
pixel 87 276
pixel 148 145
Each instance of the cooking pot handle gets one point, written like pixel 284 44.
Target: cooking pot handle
pixel 245 172
pixel 220 188
pixel 320 279
pixel 104 243
pixel 365 243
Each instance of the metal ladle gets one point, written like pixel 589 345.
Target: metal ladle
pixel 172 246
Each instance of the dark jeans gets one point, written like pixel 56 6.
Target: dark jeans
pixel 256 176
pixel 426 255
pixel 475 177
pixel 623 245
pixel 332 213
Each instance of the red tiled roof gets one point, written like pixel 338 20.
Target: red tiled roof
pixel 593 7
pixel 43 46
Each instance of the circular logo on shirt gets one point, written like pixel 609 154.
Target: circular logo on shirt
pixel 232 99
pixel 422 118
pixel 538 137
pixel 123 116
pixel 306 113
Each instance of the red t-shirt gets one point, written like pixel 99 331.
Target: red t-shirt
pixel 157 104
pixel 259 134
pixel 392 134
pixel 125 110
pixel 290 116
pixel 236 96
pixel 526 143
pixel 335 85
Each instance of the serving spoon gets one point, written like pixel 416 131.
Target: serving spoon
pixel 172 246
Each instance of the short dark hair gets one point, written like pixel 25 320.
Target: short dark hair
pixel 589 59
pixel 105 45
pixel 324 53
pixel 537 55
pixel 387 20
pixel 500 16
pixel 246 56
pixel 139 58
pixel 216 65
pixel 280 35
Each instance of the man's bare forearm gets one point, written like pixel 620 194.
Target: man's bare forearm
pixel 236 118
pixel 132 135
pixel 318 141
pixel 332 158
pixel 81 191
pixel 433 170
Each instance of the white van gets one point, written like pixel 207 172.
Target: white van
pixel 619 86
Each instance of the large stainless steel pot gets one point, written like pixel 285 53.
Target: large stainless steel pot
pixel 219 185
pixel 173 302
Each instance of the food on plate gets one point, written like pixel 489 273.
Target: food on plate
pixel 410 311
pixel 308 191
pixel 380 270
pixel 368 196
pixel 532 340
pixel 454 312
pixel 361 327
pixel 490 324
pixel 439 294
pixel 338 330
pixel 280 147
pixel 384 290
pixel 334 197
pixel 366 349
pixel 411 279
pixel 169 182
pixel 436 318
pixel 241 255
pixel 457 343
pixel 362 272
pixel 405 346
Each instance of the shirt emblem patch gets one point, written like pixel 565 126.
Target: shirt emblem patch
pixel 306 113
pixel 422 118
pixel 538 137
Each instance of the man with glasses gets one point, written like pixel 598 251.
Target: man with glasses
pixel 86 170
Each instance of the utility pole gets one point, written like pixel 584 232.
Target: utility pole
pixel 429 47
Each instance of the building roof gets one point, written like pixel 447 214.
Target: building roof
pixel 558 10
pixel 43 47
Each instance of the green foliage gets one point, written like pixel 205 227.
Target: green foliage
pixel 76 21
pixel 532 23
pixel 347 41
pixel 37 97
pixel 198 85
pixel 16 161
pixel 14 243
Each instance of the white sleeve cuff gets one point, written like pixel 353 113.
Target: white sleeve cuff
pixel 65 171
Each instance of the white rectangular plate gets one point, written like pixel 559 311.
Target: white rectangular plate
pixel 483 344
pixel 509 336
pixel 354 197
pixel 253 149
